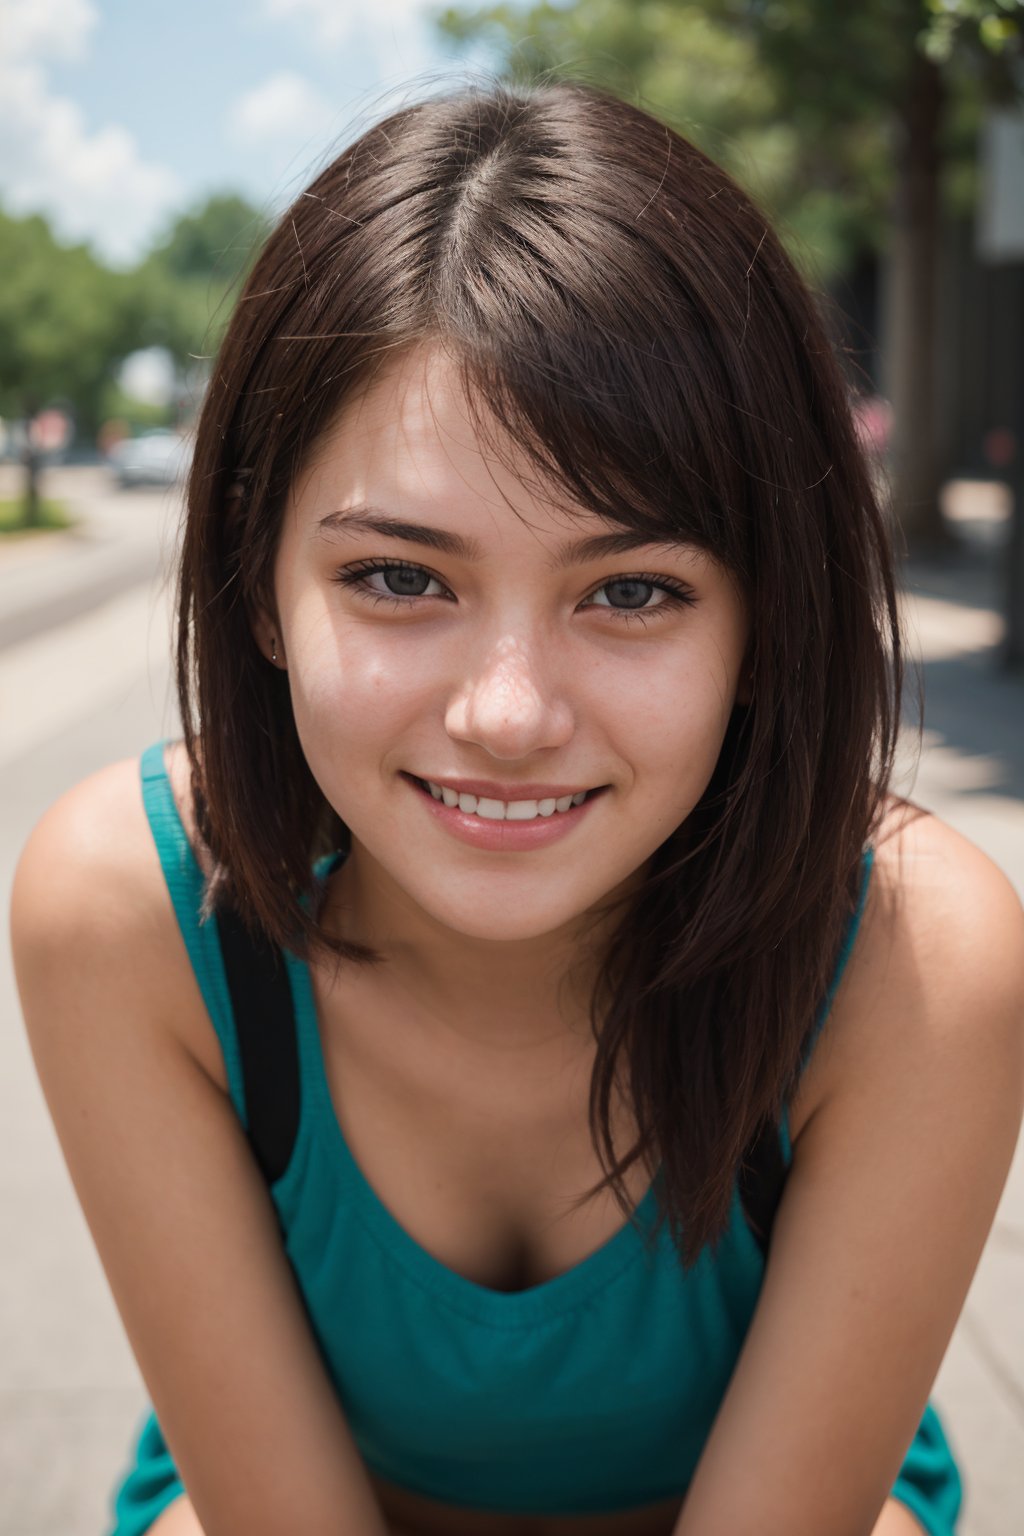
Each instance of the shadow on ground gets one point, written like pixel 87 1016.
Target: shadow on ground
pixel 972 702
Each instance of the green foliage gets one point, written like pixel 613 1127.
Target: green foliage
pixel 214 242
pixel 52 515
pixel 995 24
pixel 183 290
pixel 61 324
pixel 67 321
pixel 799 99
pixel 139 414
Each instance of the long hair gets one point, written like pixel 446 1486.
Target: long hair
pixel 624 313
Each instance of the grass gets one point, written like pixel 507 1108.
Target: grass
pixel 52 515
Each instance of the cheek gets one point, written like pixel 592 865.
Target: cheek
pixel 673 728
pixel 349 687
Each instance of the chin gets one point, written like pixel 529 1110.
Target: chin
pixel 501 918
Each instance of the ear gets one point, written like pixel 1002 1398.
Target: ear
pixel 263 621
pixel 266 631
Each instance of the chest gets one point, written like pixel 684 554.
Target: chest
pixel 480 1154
pixel 596 1388
pixel 436 1206
pixel 483 1159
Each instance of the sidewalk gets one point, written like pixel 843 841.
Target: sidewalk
pixel 82 612
pixel 49 578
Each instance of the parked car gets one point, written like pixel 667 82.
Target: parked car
pixel 155 457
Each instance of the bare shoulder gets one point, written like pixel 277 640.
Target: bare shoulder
pixel 89 869
pixel 942 883
pixel 937 970
pixel 944 922
pixel 90 897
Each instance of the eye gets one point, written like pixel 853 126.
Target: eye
pixel 633 595
pixel 400 583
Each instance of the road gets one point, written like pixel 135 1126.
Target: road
pixel 85 679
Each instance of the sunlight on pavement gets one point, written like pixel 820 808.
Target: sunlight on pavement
pixel 66 674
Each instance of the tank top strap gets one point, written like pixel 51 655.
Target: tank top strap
pixel 849 939
pixel 186 886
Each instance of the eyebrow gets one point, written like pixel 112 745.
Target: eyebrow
pixel 366 519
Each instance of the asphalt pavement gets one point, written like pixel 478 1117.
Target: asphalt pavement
pixel 85 679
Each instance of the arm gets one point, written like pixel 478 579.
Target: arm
pixel 895 1182
pixel 180 1519
pixel 182 1221
pixel 896 1520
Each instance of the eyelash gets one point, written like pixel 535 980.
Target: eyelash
pixel 355 577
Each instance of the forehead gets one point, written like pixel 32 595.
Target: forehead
pixel 409 439
pixel 417 395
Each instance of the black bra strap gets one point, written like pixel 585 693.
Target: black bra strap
pixel 761 1180
pixel 261 999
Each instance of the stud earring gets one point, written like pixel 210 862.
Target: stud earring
pixel 273 649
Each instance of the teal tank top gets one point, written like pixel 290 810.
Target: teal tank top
pixel 594 1391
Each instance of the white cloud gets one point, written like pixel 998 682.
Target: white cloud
pixel 290 122
pixel 331 23
pixel 59 29
pixel 395 31
pixel 285 109
pixel 94 184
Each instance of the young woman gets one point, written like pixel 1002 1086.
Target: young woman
pixel 523 1071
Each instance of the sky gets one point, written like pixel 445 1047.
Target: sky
pixel 117 114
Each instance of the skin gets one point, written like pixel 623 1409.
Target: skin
pixel 507 668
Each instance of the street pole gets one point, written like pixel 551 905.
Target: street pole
pixel 1000 239
pixel 1013 649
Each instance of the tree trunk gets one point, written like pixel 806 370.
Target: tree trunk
pixel 911 322
pixel 1013 650
pixel 32 513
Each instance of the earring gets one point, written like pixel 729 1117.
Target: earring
pixel 273 649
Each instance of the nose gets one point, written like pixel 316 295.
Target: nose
pixel 510 705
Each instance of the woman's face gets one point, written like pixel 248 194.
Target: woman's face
pixel 441 624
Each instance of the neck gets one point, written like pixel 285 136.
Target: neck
pixel 518 997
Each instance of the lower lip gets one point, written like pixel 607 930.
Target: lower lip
pixel 503 836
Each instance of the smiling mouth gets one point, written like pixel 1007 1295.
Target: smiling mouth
pixel 504 810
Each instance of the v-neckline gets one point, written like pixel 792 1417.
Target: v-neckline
pixel 560 1293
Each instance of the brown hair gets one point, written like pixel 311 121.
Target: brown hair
pixel 622 309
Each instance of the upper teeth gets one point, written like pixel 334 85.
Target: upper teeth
pixel 504 810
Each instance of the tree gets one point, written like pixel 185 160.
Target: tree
pixel 181 293
pixel 922 69
pixel 60 328
pixel 67 321
pixel 840 116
